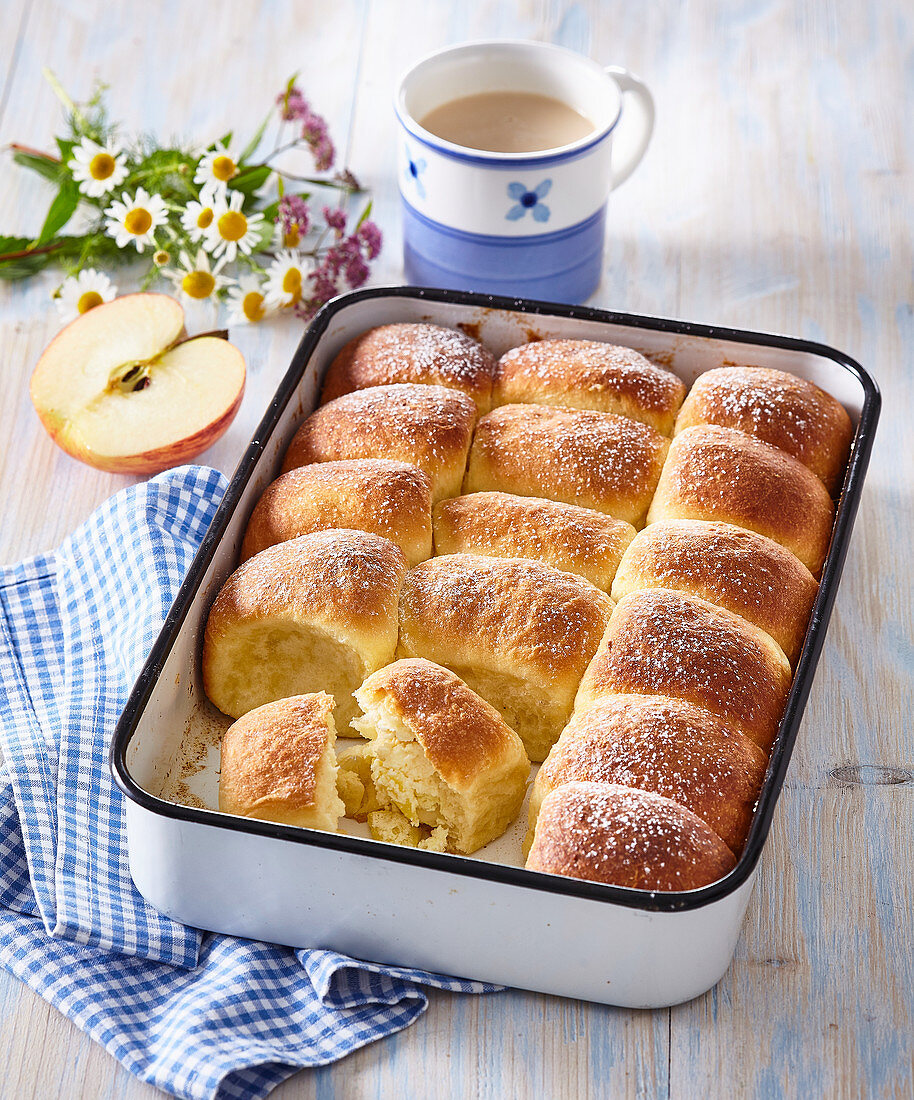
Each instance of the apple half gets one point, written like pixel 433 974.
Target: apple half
pixel 122 389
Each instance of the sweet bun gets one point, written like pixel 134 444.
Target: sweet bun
pixel 441 755
pixel 661 642
pixel 575 540
pixel 740 570
pixel 419 353
pixel 726 475
pixel 278 764
pixel 387 498
pixel 428 426
pixel 625 837
pixel 519 633
pixel 666 746
pixel 316 612
pixel 779 408
pixel 587 374
pixel 595 460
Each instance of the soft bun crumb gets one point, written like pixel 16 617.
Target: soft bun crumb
pixel 441 755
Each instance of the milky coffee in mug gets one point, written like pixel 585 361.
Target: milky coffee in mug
pixel 507 153
pixel 508 122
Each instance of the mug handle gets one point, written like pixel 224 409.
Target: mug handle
pixel 635 142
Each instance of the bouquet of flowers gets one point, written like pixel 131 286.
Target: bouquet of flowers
pixel 222 222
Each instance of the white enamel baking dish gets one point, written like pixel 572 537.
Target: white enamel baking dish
pixel 485 918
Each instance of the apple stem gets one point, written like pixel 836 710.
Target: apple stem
pixel 218 333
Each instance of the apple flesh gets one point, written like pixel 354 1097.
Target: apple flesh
pixel 119 388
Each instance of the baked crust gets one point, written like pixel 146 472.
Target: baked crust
pixel 518 632
pixel 463 736
pixel 588 374
pixel 379 495
pixel 745 572
pixel 428 426
pixel 575 540
pixel 423 354
pixel 667 746
pixel 596 460
pixel 624 837
pixel 779 408
pixel 726 475
pixel 278 764
pixel 661 642
pixel 318 611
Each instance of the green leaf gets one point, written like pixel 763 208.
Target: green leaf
pixel 364 217
pixel 224 141
pixel 44 165
pixel 251 146
pixel 249 179
pixel 13 266
pixel 271 212
pixel 66 149
pixel 60 212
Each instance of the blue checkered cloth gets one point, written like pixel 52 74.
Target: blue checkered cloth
pixel 195 1014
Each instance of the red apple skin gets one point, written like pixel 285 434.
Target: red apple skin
pixel 150 462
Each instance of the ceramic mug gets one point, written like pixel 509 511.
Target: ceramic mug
pixel 519 224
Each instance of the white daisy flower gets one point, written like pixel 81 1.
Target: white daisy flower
pixel 231 231
pixel 197 218
pixel 195 277
pixel 135 219
pixel 83 292
pixel 98 169
pixel 215 170
pixel 285 279
pixel 247 302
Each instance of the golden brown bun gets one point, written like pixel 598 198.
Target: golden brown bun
pixel 666 746
pixel 442 755
pixel 387 498
pixel 419 353
pixel 664 643
pixel 623 837
pixel 723 474
pixel 586 374
pixel 428 426
pixel 316 612
pixel 781 409
pixel 278 764
pixel 575 540
pixel 740 570
pixel 592 459
pixel 519 633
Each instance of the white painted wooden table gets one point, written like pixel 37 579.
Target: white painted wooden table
pixel 777 195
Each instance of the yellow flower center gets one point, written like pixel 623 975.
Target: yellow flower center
pixel 205 218
pixel 291 239
pixel 232 225
pixel 161 257
pixel 224 168
pixel 198 284
pixel 138 221
pixel 101 166
pixel 252 306
pixel 291 283
pixel 88 301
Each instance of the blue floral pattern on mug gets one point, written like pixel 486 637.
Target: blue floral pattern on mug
pixel 414 170
pixel 525 200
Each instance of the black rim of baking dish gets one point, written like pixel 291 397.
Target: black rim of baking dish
pixel 847 504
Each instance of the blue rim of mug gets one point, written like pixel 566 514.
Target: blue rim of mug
pixel 493 158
